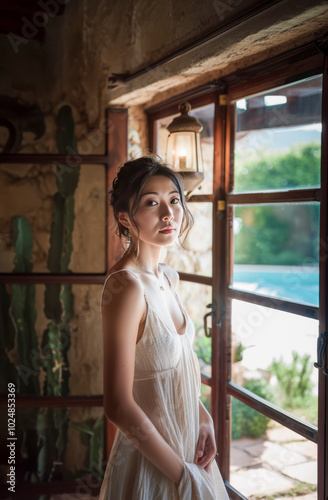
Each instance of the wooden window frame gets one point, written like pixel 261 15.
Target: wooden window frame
pixel 300 69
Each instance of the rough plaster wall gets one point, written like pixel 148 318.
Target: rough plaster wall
pixel 140 32
pixel 285 26
pixel 138 133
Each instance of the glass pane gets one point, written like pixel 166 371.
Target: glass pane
pixel 181 143
pixel 278 138
pixel 205 398
pixel 195 298
pixel 276 250
pixel 57 216
pixel 268 459
pixel 196 256
pixel 273 354
pixel 48 346
pixel 205 115
pixel 57 444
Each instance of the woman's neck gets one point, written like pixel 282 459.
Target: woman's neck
pixel 148 258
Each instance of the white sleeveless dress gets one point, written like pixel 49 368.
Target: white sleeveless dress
pixel 166 386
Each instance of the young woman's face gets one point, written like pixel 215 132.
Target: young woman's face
pixel 160 207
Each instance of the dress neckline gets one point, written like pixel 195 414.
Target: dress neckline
pixel 180 306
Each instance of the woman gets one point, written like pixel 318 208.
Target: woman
pixel 164 447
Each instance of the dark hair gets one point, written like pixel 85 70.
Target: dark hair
pixel 130 180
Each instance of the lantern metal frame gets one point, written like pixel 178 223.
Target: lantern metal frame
pixel 192 175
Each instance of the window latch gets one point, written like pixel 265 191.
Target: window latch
pixel 207 330
pixel 321 363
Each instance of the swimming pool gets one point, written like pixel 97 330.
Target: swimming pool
pixel 288 282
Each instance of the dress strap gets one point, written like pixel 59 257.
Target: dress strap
pixel 172 288
pixel 168 279
pixel 117 271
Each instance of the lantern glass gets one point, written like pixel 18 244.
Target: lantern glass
pixel 182 151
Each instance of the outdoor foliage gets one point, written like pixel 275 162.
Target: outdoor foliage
pixel 203 349
pixel 298 168
pixel 294 380
pixel 267 234
pixel 92 436
pixel 206 397
pixel 247 422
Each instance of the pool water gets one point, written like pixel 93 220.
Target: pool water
pixel 291 283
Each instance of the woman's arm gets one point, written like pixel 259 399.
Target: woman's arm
pixel 206 447
pixel 121 317
pixel 204 416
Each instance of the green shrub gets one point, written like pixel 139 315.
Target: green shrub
pixel 295 385
pixel 203 349
pixel 206 397
pixel 247 422
pixel 239 353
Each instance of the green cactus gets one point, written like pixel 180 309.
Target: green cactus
pixel 23 316
pixel 23 312
pixel 92 436
pixel 8 371
pixel 59 303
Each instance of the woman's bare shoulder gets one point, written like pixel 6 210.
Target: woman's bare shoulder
pixel 172 274
pixel 119 271
pixel 120 286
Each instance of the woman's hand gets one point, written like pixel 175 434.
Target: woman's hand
pixel 206 447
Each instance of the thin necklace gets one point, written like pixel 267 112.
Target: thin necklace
pixel 150 272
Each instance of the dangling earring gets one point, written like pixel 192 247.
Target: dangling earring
pixel 129 237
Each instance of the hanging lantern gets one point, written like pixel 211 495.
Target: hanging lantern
pixel 183 150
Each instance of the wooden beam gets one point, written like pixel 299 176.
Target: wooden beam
pixel 54 401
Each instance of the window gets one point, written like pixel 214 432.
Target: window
pixel 267 207
pixel 274 250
